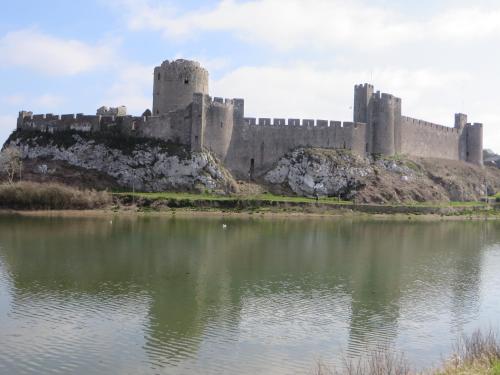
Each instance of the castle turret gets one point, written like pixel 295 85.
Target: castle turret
pixel 362 103
pixel 474 138
pixel 175 83
pixel 460 120
pixel 460 125
pixel 387 116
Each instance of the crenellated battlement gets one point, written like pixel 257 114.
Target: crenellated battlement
pixel 185 113
pixel 299 123
pixel 430 125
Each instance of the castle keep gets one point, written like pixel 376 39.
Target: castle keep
pixel 184 113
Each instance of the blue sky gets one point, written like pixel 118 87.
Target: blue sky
pixel 287 58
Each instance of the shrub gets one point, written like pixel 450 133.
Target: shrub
pixel 50 196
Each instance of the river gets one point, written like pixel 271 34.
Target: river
pixel 163 295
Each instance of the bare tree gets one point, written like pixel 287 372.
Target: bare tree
pixel 11 163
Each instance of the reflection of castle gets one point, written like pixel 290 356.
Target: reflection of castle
pixel 184 113
pixel 198 283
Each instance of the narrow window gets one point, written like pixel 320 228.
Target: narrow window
pixel 344 144
pixel 186 81
pixel 221 124
pixel 195 139
pixel 159 76
pixel 157 111
pixel 366 148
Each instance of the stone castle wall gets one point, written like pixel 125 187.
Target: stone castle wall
pixel 174 126
pixel 389 133
pixel 257 144
pixel 425 139
pixel 184 113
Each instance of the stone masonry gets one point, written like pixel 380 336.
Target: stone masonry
pixel 184 113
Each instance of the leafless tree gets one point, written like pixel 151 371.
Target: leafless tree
pixel 11 163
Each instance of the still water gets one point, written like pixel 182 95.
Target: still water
pixel 184 296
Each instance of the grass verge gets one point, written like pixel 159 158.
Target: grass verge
pixel 212 197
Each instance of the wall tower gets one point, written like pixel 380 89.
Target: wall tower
pixel 363 104
pixel 175 83
pixel 474 138
pixel 385 121
pixel 382 115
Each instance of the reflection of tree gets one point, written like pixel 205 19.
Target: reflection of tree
pixel 197 275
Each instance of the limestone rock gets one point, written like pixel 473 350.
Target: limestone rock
pixel 145 168
pixel 320 173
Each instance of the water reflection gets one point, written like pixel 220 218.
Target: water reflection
pixel 183 295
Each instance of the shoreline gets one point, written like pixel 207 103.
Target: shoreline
pixel 131 212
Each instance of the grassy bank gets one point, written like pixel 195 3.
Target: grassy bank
pixel 274 203
pixel 50 196
pixel 478 354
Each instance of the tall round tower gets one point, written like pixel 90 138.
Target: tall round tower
pixel 475 143
pixel 384 126
pixel 175 83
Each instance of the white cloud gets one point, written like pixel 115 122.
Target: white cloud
pixel 467 24
pixel 13 100
pixel 296 23
pixel 133 88
pixel 51 55
pixel 305 91
pixel 45 102
pixel 49 101
pixel 313 23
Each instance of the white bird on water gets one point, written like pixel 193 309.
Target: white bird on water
pixel 224 226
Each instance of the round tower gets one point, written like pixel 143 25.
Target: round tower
pixel 384 125
pixel 175 83
pixel 475 143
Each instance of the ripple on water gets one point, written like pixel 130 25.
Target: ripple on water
pixel 72 332
pixel 212 312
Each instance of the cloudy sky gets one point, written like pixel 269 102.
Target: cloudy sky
pixel 287 58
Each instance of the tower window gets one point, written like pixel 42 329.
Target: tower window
pixel 186 81
pixel 221 124
pixel 159 76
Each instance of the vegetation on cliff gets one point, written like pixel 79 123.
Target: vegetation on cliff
pixel 114 162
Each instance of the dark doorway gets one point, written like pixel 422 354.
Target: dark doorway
pixel 252 169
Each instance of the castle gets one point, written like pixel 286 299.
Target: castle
pixel 184 113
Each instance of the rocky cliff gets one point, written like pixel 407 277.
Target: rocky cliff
pixel 338 173
pixel 118 162
pixel 491 159
pixel 113 161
